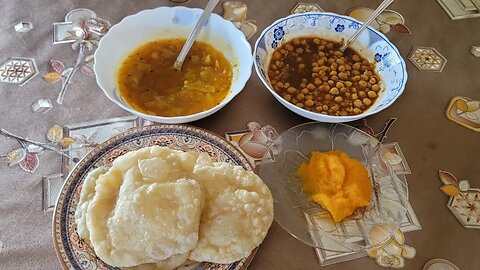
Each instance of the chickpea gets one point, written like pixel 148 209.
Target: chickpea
pixel 287 97
pixel 296 41
pixel 286 85
pixel 343 113
pixel 291 90
pixel 348 83
pixel 357 111
pixel 325 78
pixel 355 72
pixel 294 101
pixel 322 72
pixel 343 90
pixel 321 54
pixel 342 68
pixel 316 41
pixel 376 87
pixel 342 76
pixel 357 103
pixel 334 91
pixel 333 73
pixel 364 77
pixel 355 58
pixel 339 85
pixel 362 84
pixel 299 104
pixel 276 55
pixel 304 91
pixel 273 66
pixel 299 50
pixel 316 69
pixel 356 66
pixel 362 94
pixel 368 73
pixel 340 61
pixel 338 99
pixel 328 97
pixel 335 78
pixel 314 64
pixel 310 86
pixel 308 97
pixel 372 94
pixel 303 85
pixel 315 75
pixel 317 81
pixel 318 108
pixel 325 107
pixel 367 101
pixel 279 84
pixel 309 103
pixel 300 97
pixel 353 89
pixel 289 47
pixel 354 96
pixel 356 78
pixel 331 82
pixel 331 60
pixel 283 51
pixel 304 42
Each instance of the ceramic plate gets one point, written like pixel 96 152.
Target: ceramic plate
pixel 72 251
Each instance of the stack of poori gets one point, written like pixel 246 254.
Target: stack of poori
pixel 156 208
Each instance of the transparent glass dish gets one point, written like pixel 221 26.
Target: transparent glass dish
pixel 308 221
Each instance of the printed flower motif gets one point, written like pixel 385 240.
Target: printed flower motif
pixel 274 44
pixel 340 28
pixel 378 57
pixel 278 33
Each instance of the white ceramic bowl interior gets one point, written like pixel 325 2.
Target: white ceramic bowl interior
pixel 371 44
pixel 164 23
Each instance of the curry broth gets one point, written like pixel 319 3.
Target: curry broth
pixel 148 82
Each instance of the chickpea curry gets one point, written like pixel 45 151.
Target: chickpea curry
pixel 314 75
pixel 148 82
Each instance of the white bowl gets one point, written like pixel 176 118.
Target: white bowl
pixel 371 44
pixel 164 23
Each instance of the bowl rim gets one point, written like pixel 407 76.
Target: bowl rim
pixel 185 118
pixel 312 115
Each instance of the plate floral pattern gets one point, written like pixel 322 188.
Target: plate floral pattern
pixel 72 251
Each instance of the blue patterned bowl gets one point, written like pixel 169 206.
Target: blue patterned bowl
pixel 371 44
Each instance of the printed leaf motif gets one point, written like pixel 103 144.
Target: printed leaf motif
pixel 52 77
pixel 400 28
pixel 89 59
pixel 32 148
pixel 66 141
pixel 16 156
pixel 447 178
pixel 471 116
pixel 54 134
pixel 450 190
pixel 30 163
pixel 87 70
pixel 56 66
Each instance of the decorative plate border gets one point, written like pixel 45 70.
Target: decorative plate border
pixel 60 230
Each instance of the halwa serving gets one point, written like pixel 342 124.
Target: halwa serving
pixel 314 75
pixel 337 182
pixel 148 82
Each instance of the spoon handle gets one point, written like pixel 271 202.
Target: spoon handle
pixel 193 35
pixel 369 20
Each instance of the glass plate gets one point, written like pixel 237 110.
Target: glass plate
pixel 72 251
pixel 308 221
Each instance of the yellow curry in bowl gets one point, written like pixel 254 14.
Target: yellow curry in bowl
pixel 148 82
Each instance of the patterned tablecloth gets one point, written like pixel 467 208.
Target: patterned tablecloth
pixel 429 140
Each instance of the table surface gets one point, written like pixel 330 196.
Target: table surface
pixel 429 141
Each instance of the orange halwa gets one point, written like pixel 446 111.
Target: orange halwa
pixel 337 182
